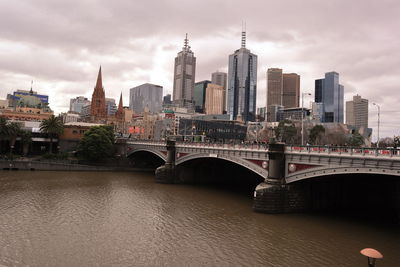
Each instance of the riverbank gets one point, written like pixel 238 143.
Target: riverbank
pixel 30 165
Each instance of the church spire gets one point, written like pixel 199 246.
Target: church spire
pixel 120 111
pixel 120 105
pixel 98 109
pixel 99 82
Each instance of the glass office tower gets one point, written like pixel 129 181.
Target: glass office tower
pixel 242 84
pixel 330 93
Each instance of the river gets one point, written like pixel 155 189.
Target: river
pixel 126 219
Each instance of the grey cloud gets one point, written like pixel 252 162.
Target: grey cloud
pixel 64 42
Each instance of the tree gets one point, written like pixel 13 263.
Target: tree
pixel 396 141
pixel 14 130
pixel 355 140
pixel 26 140
pixel 286 131
pixel 97 143
pixel 3 131
pixel 53 126
pixel 316 134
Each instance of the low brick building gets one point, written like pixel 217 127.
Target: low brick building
pixel 73 133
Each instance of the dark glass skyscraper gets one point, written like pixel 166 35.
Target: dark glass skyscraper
pixel 330 93
pixel 242 84
pixel 199 95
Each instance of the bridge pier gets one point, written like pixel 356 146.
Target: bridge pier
pixel 166 174
pixel 274 195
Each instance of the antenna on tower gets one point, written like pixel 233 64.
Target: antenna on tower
pixel 185 46
pixel 243 34
pixel 31 91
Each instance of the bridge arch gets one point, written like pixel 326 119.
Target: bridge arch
pixel 154 152
pixel 239 161
pixel 335 170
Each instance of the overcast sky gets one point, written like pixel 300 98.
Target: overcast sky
pixel 61 44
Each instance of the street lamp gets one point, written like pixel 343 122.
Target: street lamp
pixel 302 117
pixel 372 255
pixel 379 115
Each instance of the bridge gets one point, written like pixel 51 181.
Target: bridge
pixel 281 167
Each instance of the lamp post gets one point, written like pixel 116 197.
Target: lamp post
pixel 302 117
pixel 372 255
pixel 379 115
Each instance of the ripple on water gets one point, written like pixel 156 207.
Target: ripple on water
pixel 125 219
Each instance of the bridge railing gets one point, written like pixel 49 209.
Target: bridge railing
pixel 228 146
pixel 239 146
pixel 364 151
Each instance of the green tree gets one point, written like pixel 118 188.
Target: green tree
pixel 97 143
pixel 3 131
pixel 316 134
pixel 53 126
pixel 26 140
pixel 286 131
pixel 355 140
pixel 14 129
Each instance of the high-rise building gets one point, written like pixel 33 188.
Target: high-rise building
pixel 220 78
pixel 357 112
pixel 76 104
pixel 146 95
pixel 111 106
pixel 214 100
pixel 98 104
pixel 167 99
pixel 261 112
pixel 242 84
pixel 273 112
pixel 274 86
pixel 282 88
pixel 199 95
pixel 290 90
pixel 330 93
pixel 184 74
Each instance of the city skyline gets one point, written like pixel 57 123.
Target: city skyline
pixel 364 54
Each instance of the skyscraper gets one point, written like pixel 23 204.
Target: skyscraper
pixel 283 88
pixel 98 103
pixel 76 104
pixel 184 74
pixel 199 95
pixel 274 87
pixel 242 84
pixel 291 90
pixel 214 102
pixel 147 94
pixel 220 79
pixel 357 112
pixel 111 106
pixel 330 93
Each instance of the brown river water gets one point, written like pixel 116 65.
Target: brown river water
pixel 126 219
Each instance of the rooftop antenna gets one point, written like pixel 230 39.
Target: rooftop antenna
pixel 243 34
pixel 31 91
pixel 185 44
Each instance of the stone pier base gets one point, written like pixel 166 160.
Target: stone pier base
pixel 165 174
pixel 279 198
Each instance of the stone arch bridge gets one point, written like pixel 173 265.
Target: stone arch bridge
pixel 280 166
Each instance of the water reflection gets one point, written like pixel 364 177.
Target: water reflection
pixel 125 219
